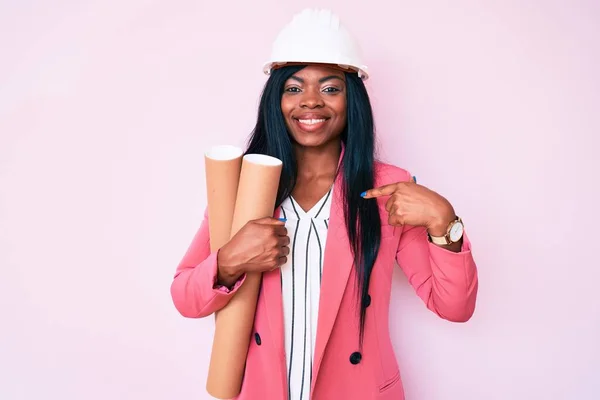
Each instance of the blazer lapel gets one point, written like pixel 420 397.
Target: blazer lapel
pixel 337 265
pixel 273 303
pixel 338 262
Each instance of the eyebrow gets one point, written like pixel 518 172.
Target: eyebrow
pixel 324 79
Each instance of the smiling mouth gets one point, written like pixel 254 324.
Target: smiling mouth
pixel 310 125
pixel 311 121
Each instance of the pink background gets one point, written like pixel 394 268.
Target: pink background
pixel 106 109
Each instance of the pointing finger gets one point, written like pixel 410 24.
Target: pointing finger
pixel 385 190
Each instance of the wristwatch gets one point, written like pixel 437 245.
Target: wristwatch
pixel 453 234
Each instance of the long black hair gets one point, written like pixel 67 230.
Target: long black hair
pixel 270 137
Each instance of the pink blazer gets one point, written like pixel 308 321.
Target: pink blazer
pixel 445 281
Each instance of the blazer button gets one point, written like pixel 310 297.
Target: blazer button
pixel 355 358
pixel 368 301
pixel 257 339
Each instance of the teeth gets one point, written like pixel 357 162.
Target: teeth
pixel 311 121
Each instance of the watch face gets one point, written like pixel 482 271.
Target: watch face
pixel 456 232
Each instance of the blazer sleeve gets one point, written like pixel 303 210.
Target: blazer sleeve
pixel 446 281
pixel 194 289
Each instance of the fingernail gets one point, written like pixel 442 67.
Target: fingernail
pixel 363 194
pixel 415 179
pixel 283 219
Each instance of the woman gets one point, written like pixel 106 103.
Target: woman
pixel 342 220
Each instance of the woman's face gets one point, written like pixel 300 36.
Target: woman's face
pixel 314 105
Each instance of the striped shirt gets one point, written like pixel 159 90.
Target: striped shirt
pixel 301 284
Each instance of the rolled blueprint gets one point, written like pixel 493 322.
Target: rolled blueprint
pixel 223 165
pixel 256 196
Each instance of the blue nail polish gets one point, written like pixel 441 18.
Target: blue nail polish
pixel 363 194
pixel 283 219
pixel 415 179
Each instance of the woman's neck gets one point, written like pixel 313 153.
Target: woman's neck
pixel 318 162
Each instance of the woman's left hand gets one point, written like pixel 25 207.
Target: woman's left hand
pixel 416 205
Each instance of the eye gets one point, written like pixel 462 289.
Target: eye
pixel 331 89
pixel 293 89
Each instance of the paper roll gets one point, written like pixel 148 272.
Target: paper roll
pixel 223 165
pixel 256 196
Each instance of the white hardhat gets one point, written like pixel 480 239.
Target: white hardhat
pixel 316 36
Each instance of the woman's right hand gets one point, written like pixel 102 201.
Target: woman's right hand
pixel 259 246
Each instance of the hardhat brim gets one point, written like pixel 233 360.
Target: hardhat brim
pixel 362 71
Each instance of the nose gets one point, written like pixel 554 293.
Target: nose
pixel 311 98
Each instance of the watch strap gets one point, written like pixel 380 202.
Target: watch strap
pixel 440 240
pixel 445 239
